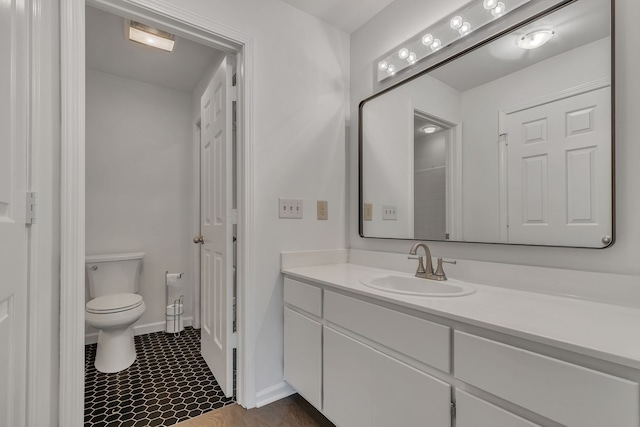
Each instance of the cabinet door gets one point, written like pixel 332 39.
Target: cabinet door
pixel 474 412
pixel 303 355
pixel 363 387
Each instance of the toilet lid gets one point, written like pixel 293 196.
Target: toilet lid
pixel 114 303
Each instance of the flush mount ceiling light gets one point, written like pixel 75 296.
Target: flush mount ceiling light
pixel 144 34
pixel 429 129
pixel 536 39
pixel 475 15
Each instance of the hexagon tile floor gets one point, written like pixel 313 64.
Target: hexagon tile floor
pixel 169 382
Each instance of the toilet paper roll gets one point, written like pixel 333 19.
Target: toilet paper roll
pixel 172 278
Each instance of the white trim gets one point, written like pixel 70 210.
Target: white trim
pixel 503 150
pixel 73 179
pixel 72 212
pixel 147 328
pixel 273 393
pixel 556 96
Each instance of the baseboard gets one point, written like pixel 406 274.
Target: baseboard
pixel 148 328
pixel 273 393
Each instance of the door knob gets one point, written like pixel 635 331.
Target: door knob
pixel 198 239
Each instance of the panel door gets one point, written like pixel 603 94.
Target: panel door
pixel 559 171
pixel 363 387
pixel 13 231
pixel 303 356
pixel 218 340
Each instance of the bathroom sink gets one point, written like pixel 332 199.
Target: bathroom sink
pixel 411 285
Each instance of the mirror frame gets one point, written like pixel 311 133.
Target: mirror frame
pixel 463 52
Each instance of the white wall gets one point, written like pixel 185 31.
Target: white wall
pixel 480 107
pixel 390 138
pixel 139 188
pixel 404 18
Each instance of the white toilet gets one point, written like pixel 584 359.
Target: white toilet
pixel 114 307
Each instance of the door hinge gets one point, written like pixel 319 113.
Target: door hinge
pixel 234 93
pixel 31 208
pixel 453 409
pixel 233 217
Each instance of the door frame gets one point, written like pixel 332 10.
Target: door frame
pixel 72 198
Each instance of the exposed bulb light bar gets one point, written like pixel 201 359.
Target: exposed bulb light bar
pixel 458 25
pixel 535 40
pixel 144 34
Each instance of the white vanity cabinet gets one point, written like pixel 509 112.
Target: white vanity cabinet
pixel 303 340
pixel 365 386
pixel 366 362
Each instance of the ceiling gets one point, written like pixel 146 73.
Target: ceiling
pixel 347 15
pixel 108 50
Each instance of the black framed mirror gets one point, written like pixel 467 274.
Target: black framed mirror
pixel 510 142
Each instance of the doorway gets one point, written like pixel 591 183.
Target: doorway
pixel 182 23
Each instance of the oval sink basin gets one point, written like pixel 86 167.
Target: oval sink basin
pixel 411 285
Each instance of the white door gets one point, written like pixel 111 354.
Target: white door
pixel 13 231
pixel 559 171
pixel 218 339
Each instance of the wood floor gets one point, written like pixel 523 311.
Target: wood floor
pixel 292 411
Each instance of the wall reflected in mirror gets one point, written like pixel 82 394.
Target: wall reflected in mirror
pixel 510 143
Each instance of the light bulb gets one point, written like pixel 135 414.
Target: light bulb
pixel 437 44
pixel 499 10
pixel 412 57
pixel 391 69
pixel 456 22
pixel 403 53
pixel 382 65
pixel 489 4
pixel 465 28
pixel 427 39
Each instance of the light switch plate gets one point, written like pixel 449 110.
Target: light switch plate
pixel 290 208
pixel 389 212
pixel 368 212
pixel 323 210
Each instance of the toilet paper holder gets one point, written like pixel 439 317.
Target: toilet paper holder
pixel 175 310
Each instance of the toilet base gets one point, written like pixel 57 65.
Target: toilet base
pixel 116 350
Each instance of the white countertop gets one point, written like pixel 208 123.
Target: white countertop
pixel 605 331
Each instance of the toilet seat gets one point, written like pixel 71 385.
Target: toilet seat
pixel 114 303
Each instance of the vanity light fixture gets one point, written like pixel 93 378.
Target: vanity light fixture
pixel 536 39
pixel 145 34
pixel 429 129
pixel 475 15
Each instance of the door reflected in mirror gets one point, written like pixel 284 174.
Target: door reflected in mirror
pixel 505 144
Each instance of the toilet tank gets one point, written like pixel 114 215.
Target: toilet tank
pixel 113 273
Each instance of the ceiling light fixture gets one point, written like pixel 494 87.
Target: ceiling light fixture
pixel 456 26
pixel 145 34
pixel 429 129
pixel 536 39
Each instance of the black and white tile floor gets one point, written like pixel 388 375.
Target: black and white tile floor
pixel 168 383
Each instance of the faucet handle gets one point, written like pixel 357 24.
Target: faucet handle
pixel 440 275
pixel 421 269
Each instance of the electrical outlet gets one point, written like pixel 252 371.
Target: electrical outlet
pixel 290 208
pixel 368 212
pixel 389 212
pixel 323 209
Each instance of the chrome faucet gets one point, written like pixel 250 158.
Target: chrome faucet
pixel 427 272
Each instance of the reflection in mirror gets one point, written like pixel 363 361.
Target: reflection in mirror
pixel 510 143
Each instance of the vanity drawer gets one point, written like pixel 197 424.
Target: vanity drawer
pixel 424 341
pixel 565 393
pixel 303 296
pixel 474 412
